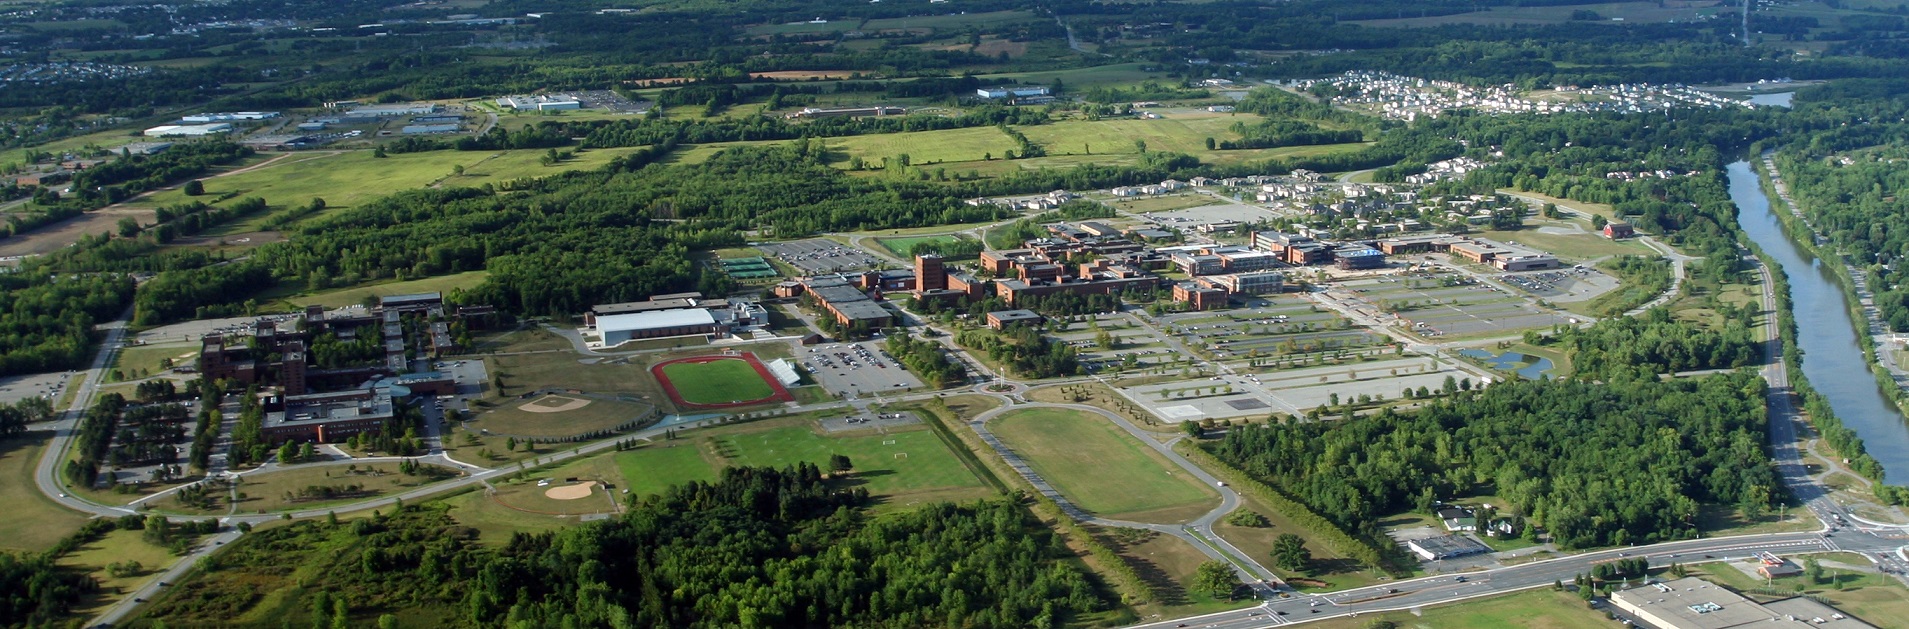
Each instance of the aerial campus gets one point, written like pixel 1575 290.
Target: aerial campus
pixel 954 313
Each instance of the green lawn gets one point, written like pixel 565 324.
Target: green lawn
pixel 717 382
pixel 352 296
pixel 514 417
pixel 902 246
pixel 1532 609
pixel 909 464
pixel 117 547
pixel 1101 468
pixel 34 522
pixel 1099 137
pixel 924 147
pixel 147 360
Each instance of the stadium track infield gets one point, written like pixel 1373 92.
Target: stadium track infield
pixel 778 393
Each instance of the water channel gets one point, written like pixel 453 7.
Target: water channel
pixel 1832 357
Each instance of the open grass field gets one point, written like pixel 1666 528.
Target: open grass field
pixel 522 419
pixel 1328 566
pixel 116 547
pixel 267 491
pixel 924 147
pixel 1531 609
pixel 1101 468
pixel 357 295
pixel 1630 12
pixel 1168 564
pixel 138 362
pixel 523 373
pixel 34 522
pixel 1179 134
pixel 901 247
pixel 717 381
pixel 495 522
pixel 525 340
pixel 1081 77
pixel 904 465
pixel 1573 248
pixel 349 178
pixel 980 21
pixel 57 236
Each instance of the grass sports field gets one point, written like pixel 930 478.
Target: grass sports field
pixel 717 381
pixel 558 416
pixel 1102 469
pixel 906 465
pixel 902 246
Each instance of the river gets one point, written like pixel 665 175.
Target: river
pixel 1832 357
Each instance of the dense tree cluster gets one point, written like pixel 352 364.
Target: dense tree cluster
pixel 1594 464
pixel 758 548
pixel 1652 344
pixel 46 323
pixel 1024 350
pixel 926 359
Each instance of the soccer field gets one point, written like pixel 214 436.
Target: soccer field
pixel 1102 469
pixel 908 461
pixel 717 382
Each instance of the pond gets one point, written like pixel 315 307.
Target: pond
pixel 1525 365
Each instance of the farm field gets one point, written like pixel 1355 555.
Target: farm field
pixel 1628 11
pixel 717 381
pixel 904 465
pixel 1102 469
pixel 357 295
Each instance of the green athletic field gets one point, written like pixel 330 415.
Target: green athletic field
pixel 717 382
pixel 1101 468
pixel 905 461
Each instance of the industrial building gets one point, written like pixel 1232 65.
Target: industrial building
pixel 992 93
pixel 1693 603
pixel 392 111
pixel 189 130
pixel 551 102
pixel 426 129
pixel 849 112
pixel 234 116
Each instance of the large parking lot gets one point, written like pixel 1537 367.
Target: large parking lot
pixel 856 369
pixel 46 385
pixel 815 256
pixel 1447 303
pixel 1562 285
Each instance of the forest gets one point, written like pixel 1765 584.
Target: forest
pixel 1620 349
pixel 1595 465
pixel 46 322
pixel 760 547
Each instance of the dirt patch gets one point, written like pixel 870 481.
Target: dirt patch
pixel 553 404
pixel 802 75
pixel 246 239
pixel 54 237
pixel 578 491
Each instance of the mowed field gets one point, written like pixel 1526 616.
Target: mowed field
pixel 903 465
pixel 352 296
pixel 717 381
pixel 350 178
pixel 925 147
pixel 34 522
pixel 1532 609
pixel 1095 137
pixel 524 419
pixel 902 247
pixel 1102 469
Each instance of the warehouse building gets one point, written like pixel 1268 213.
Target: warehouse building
pixel 233 116
pixel 427 129
pixel 551 102
pixel 391 111
pixel 1693 603
pixel 618 329
pixel 189 130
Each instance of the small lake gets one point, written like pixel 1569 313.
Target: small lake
pixel 1779 99
pixel 1525 365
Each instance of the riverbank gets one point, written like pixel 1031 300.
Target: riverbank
pixel 1857 298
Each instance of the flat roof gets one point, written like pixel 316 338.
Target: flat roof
pixel 862 310
pixel 413 297
pixel 1014 315
pixel 654 319
pixel 602 310
pixel 838 295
